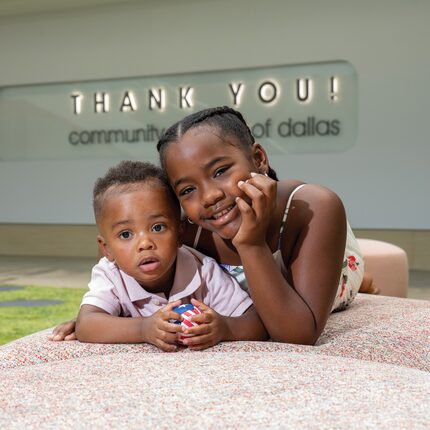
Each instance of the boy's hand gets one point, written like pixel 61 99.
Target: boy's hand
pixel 157 329
pixel 64 331
pixel 211 330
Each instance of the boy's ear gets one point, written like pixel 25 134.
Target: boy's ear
pixel 260 158
pixel 104 249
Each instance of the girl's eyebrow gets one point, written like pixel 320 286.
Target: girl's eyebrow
pixel 208 165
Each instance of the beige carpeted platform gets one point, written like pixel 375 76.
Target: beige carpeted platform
pixel 370 369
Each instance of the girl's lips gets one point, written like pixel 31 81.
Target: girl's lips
pixel 224 216
pixel 149 265
pixel 221 213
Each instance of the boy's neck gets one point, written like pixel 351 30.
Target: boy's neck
pixel 164 284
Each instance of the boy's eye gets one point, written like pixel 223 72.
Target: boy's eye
pixel 125 235
pixel 158 228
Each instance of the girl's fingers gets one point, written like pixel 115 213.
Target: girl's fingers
pixel 246 210
pixel 71 336
pixel 266 185
pixel 258 198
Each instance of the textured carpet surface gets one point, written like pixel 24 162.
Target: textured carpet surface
pixel 374 328
pixel 236 390
pixel 369 369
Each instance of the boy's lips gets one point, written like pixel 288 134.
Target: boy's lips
pixel 149 264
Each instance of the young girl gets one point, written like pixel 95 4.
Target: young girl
pixel 288 242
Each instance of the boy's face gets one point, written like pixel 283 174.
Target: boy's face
pixel 140 231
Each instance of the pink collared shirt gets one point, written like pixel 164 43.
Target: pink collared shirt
pixel 197 276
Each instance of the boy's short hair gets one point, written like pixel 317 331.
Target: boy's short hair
pixel 130 173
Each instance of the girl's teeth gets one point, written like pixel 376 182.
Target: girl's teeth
pixel 220 214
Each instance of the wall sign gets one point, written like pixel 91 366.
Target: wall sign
pixel 307 108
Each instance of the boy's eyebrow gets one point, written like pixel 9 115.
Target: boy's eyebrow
pixel 118 223
pixel 208 165
pixel 130 221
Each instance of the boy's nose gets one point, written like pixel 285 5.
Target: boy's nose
pixel 145 243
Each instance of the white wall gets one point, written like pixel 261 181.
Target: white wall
pixel 382 179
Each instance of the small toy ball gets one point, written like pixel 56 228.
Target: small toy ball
pixel 187 311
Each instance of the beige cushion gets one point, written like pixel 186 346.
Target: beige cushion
pixel 388 265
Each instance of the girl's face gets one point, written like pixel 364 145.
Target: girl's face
pixel 204 170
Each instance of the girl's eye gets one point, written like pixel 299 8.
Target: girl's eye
pixel 220 171
pixel 158 228
pixel 185 191
pixel 125 235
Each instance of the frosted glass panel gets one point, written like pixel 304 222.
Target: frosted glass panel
pixel 306 108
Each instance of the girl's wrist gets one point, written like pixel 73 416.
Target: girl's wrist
pixel 246 249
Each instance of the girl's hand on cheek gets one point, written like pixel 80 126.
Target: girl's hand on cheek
pixel 256 216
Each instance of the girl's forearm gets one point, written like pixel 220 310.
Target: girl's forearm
pixel 286 316
pixel 246 327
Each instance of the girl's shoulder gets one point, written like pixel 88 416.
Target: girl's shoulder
pixel 310 193
pixel 304 201
pixel 314 215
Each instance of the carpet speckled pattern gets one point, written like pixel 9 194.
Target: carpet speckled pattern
pixel 370 369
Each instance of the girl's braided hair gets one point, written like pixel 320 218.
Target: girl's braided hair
pixel 224 118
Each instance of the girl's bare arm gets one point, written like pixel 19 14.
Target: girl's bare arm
pixel 294 309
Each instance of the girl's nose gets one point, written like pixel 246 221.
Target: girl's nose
pixel 211 196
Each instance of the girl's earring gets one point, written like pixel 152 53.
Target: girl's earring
pixel 190 221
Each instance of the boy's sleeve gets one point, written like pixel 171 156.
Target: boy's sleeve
pixel 225 295
pixel 102 291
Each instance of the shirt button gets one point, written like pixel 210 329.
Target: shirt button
pixel 156 302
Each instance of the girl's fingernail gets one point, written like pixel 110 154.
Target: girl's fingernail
pixel 240 183
pixel 253 174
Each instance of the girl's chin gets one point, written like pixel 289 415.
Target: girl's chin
pixel 227 232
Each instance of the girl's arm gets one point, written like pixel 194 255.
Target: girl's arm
pixel 293 309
